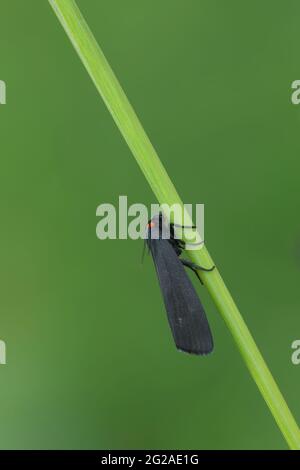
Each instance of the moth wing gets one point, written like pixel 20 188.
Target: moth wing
pixel 186 314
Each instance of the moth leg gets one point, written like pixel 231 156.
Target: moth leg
pixel 190 265
pixel 181 244
pixel 176 241
pixel 182 226
pixel 176 246
pixel 172 232
pixel 195 266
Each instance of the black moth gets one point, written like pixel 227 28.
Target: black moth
pixel 186 315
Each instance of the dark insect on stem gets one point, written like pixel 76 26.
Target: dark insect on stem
pixel 185 312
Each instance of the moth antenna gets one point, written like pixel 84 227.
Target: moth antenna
pixel 143 252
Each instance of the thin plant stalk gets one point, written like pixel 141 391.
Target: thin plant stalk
pixel 130 127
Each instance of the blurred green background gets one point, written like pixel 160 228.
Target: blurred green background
pixel 90 359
